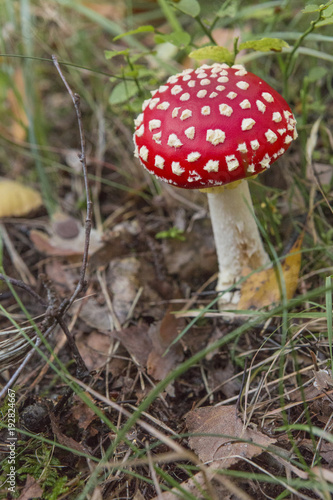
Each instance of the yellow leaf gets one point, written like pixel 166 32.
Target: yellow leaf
pixel 17 200
pixel 263 289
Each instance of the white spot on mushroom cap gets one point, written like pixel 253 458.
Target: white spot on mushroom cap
pixel 153 102
pixel 205 110
pixel 295 134
pixel 176 89
pixel 223 79
pixel 232 162
pixel 202 93
pixel 242 148
pixel 265 162
pixel 191 83
pixel 176 168
pixel 268 97
pixel 187 113
pixel 225 109
pixel 212 166
pixel 231 95
pixel 140 131
pixel 271 136
pixel 238 66
pixel 254 144
pixel 195 176
pixel 190 132
pixel 282 131
pixel 261 106
pixel 159 162
pixel 193 156
pixel 213 94
pixel 288 139
pixel 245 104
pixel 242 85
pixel 186 78
pixel 143 153
pixel 157 137
pixel 154 124
pixel 174 113
pixel 251 168
pixel 241 72
pixel 215 136
pixel 220 87
pixel 145 104
pixel 185 97
pixel 173 79
pixel 205 81
pixel 163 105
pixel 163 88
pixel 138 120
pixel 174 142
pixel 247 123
pixel 202 75
pixel 276 117
pixel 287 114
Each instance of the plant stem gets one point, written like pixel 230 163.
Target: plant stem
pixel 205 29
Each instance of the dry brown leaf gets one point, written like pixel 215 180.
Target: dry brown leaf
pixel 17 200
pixel 160 364
pixel 31 489
pixel 323 380
pixel 226 450
pixel 262 289
pixel 63 439
pixel 67 237
pixel 82 413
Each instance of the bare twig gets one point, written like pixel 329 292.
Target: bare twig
pixel 76 101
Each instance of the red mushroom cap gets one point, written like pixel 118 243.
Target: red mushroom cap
pixel 212 126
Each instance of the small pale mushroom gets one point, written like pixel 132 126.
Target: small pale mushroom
pixel 218 125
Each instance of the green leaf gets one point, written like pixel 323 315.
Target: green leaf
pixel 172 233
pixel 229 11
pixel 325 22
pixel 109 54
pixel 179 38
pixel 142 29
pixel 122 92
pixel 264 45
pixel 189 7
pixel 218 54
pixel 309 9
pixel 316 74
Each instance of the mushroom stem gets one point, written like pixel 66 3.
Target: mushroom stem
pixel 237 239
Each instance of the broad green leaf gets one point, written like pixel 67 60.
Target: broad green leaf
pixel 189 7
pixel 141 29
pixel 264 45
pixel 122 92
pixel 179 38
pixel 316 74
pixel 218 54
pixel 309 9
pixel 109 54
pixel 229 11
pixel 325 22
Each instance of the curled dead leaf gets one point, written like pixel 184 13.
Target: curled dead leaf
pixel 231 440
pixel 263 288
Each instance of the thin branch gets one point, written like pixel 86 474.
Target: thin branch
pixel 76 101
pixel 24 286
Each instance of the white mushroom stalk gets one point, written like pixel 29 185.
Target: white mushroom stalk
pixel 211 127
pixel 237 239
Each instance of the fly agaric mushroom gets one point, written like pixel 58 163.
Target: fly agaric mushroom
pixel 207 128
